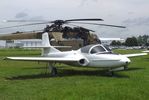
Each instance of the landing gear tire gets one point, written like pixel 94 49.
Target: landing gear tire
pixel 125 67
pixel 110 73
pixel 53 71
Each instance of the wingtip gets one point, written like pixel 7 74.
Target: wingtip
pixel 145 53
pixel 5 58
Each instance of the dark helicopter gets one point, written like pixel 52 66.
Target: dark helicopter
pixel 61 31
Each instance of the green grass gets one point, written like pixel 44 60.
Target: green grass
pixel 28 81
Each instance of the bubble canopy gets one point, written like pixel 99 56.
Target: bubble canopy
pixel 94 49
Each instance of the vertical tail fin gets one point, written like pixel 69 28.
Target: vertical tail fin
pixel 45 39
pixel 47 48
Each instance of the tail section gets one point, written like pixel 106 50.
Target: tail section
pixel 47 48
pixel 45 39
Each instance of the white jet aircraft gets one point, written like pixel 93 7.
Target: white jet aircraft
pixel 89 56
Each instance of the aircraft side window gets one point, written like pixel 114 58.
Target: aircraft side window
pixel 86 49
pixel 97 49
pixel 108 49
pixel 93 51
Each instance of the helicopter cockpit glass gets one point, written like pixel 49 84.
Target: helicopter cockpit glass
pixel 96 49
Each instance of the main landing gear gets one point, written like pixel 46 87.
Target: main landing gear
pixel 52 69
pixel 110 72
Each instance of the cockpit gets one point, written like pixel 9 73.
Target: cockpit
pixel 96 49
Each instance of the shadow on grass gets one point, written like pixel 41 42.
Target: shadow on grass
pixel 41 67
pixel 62 72
pixel 25 77
pixel 69 72
pixel 146 59
pixel 103 73
pixel 35 68
pixel 134 69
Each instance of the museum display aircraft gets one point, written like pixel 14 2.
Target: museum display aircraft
pixel 60 30
pixel 95 55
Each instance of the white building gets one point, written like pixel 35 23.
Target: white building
pixel 2 43
pixel 28 42
pixel 20 43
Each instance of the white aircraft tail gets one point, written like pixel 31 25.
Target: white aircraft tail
pixel 47 48
pixel 45 39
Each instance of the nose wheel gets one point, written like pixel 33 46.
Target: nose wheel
pixel 125 67
pixel 110 73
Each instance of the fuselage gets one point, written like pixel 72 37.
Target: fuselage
pixel 89 58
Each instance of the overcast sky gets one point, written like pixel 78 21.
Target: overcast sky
pixel 133 14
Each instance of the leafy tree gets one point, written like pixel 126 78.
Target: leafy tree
pixel 132 41
pixel 143 40
pixel 115 43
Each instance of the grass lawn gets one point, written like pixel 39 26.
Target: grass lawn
pixel 21 80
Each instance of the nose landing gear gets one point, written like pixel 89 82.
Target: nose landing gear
pixel 125 67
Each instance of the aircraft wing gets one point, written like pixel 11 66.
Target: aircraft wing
pixel 44 59
pixel 147 51
pixel 134 55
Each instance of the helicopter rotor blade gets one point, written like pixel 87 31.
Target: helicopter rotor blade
pixel 24 20
pixel 99 24
pixel 91 19
pixel 25 25
pixel 57 22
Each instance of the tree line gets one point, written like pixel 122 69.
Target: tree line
pixel 133 41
